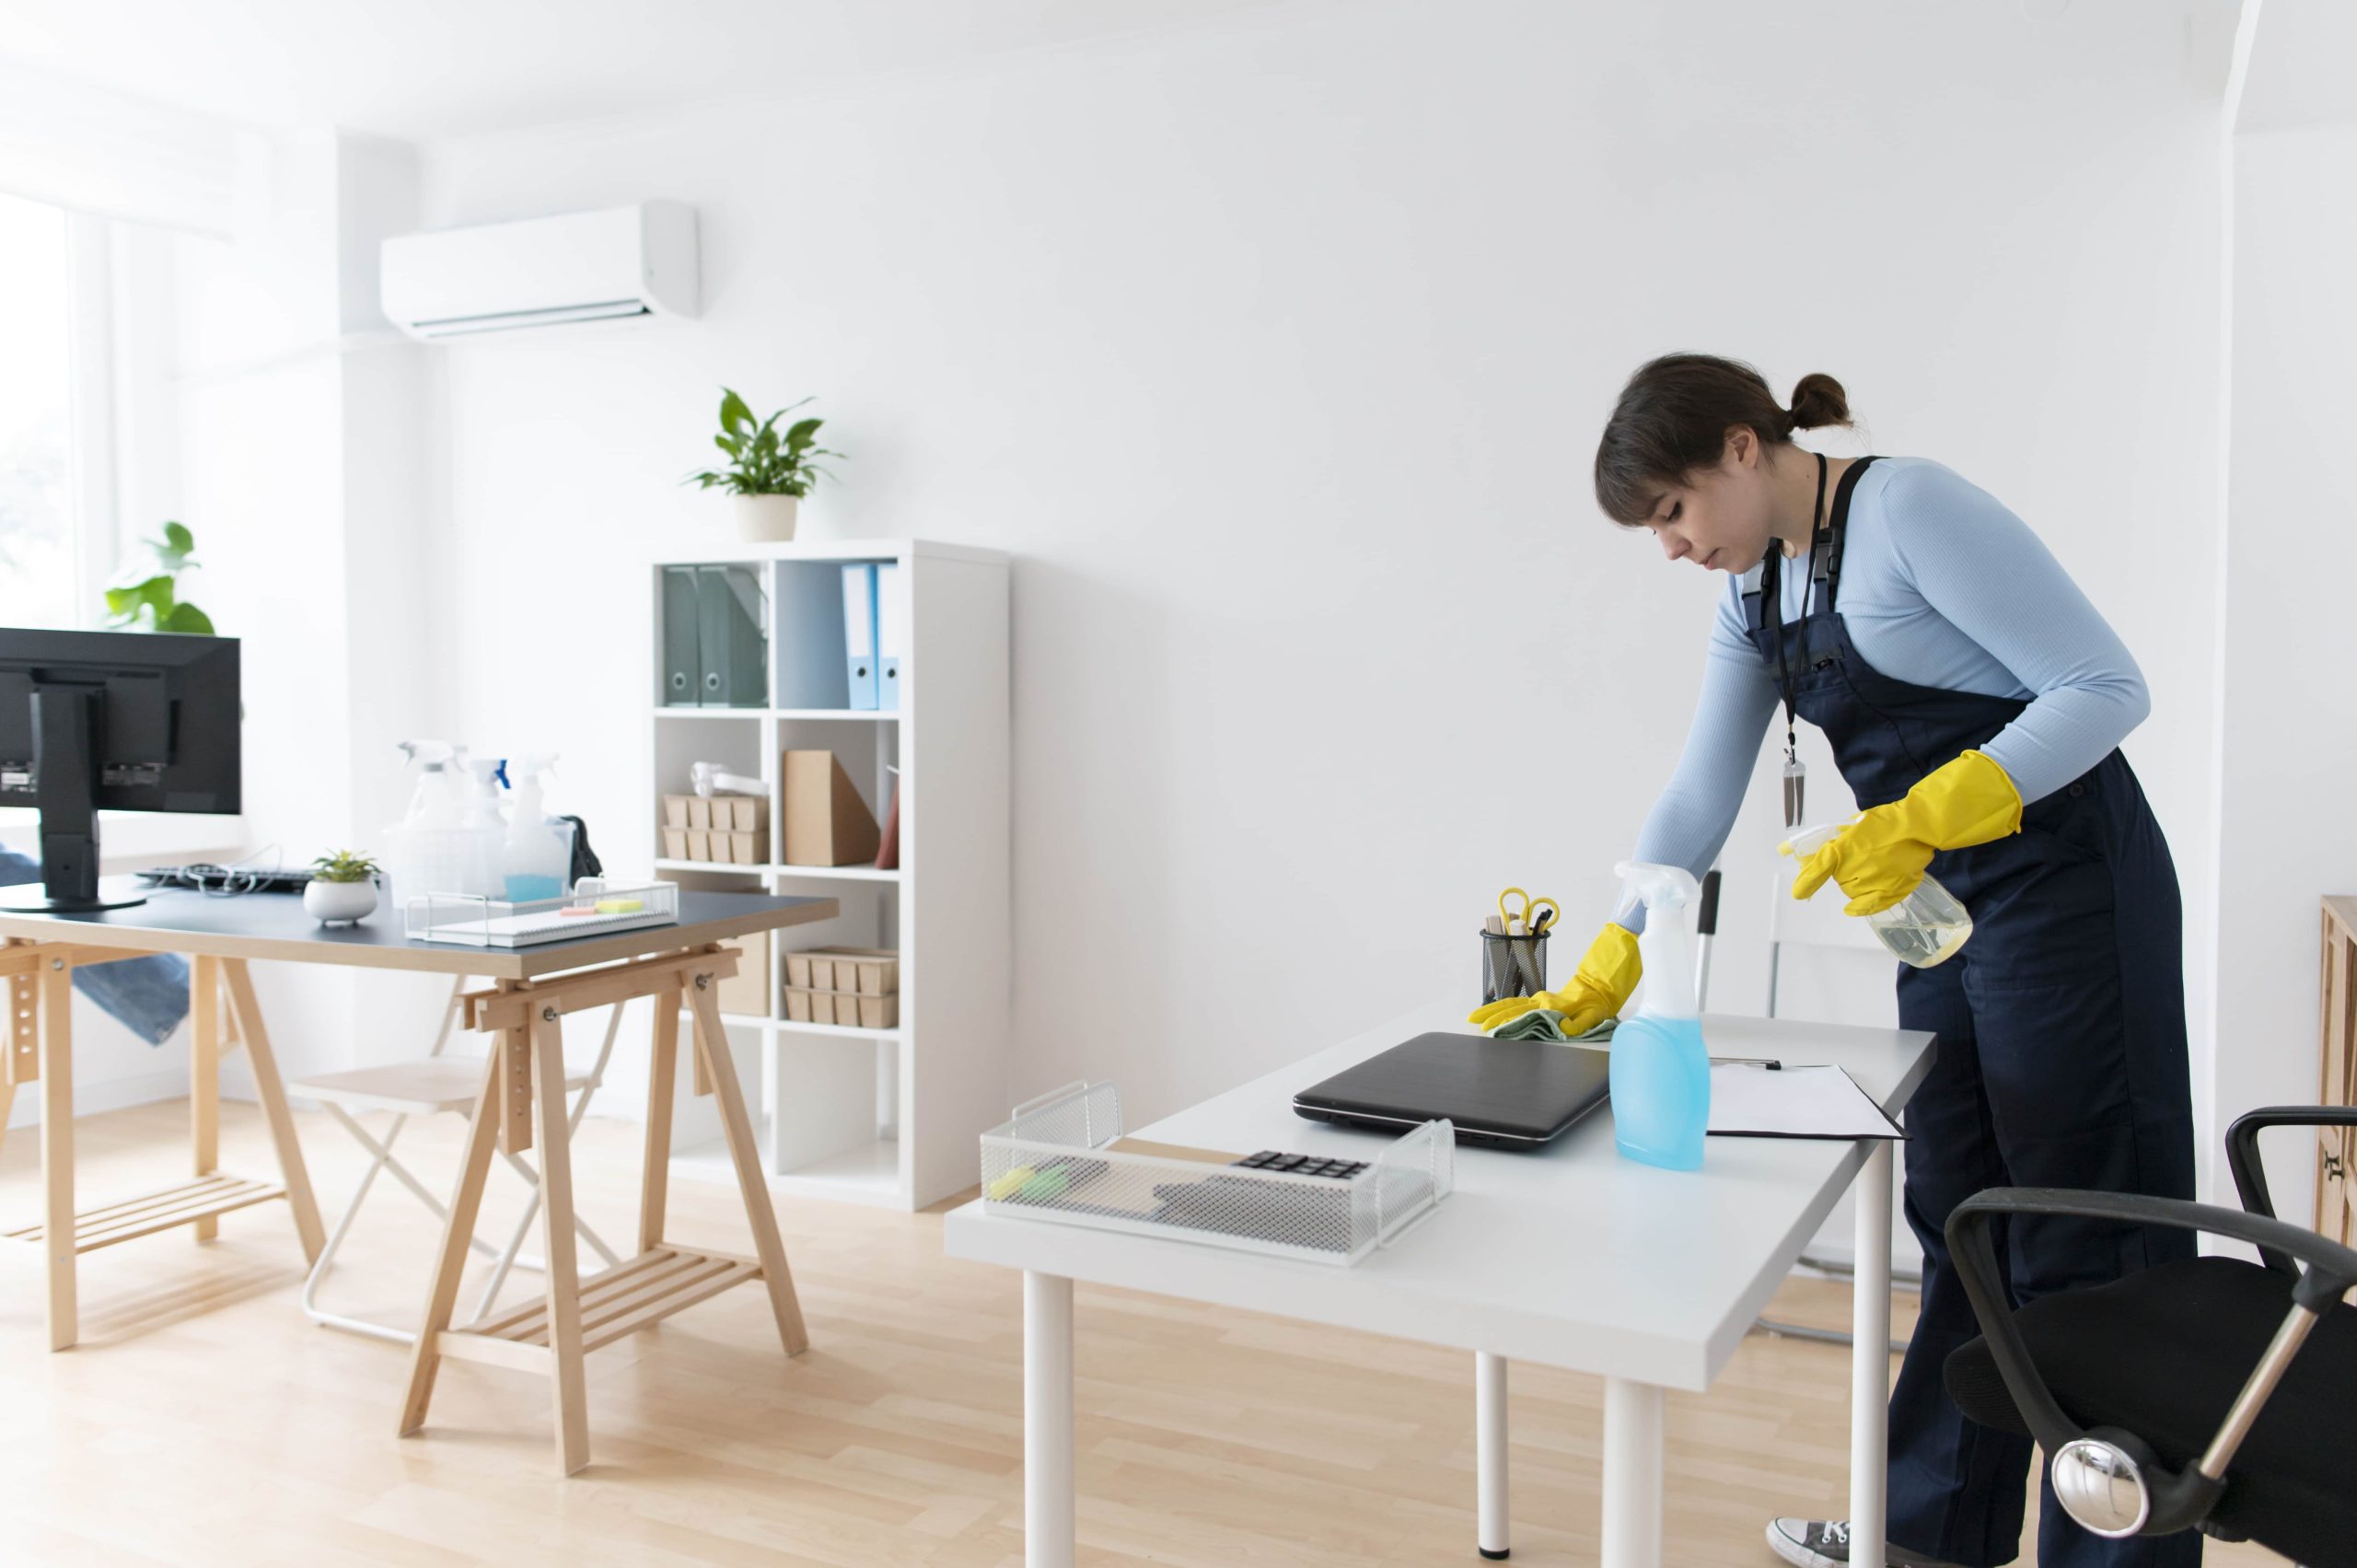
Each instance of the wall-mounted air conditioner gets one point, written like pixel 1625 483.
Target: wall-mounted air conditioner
pixel 601 266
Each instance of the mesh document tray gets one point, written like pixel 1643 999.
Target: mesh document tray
pixel 479 921
pixel 1051 1161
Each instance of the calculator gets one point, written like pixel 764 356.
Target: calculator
pixel 1301 1165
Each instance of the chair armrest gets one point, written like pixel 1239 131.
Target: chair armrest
pixel 2250 1176
pixel 2178 1499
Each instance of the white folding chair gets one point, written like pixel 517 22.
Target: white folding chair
pixel 435 1083
pixel 1780 906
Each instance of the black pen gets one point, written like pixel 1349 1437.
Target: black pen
pixel 1768 1062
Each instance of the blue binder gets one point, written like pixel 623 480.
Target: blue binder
pixel 890 634
pixel 859 634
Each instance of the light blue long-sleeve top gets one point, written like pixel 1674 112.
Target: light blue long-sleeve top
pixel 1941 586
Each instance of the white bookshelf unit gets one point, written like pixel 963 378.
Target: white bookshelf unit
pixel 886 1117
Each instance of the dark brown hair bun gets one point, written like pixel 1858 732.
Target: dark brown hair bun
pixel 1818 399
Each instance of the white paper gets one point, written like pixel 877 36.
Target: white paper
pixel 1792 1102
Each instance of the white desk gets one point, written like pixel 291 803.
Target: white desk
pixel 1570 1257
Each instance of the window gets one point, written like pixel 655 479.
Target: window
pixel 39 574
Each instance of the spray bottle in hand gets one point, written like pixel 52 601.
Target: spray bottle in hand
pixel 1661 1071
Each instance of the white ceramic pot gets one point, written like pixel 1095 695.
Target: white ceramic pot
pixel 339 903
pixel 766 520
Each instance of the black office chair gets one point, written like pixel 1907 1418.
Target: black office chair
pixel 2210 1393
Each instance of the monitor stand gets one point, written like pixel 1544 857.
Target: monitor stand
pixel 65 784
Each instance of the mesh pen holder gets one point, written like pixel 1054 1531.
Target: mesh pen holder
pixel 1053 1160
pixel 1512 966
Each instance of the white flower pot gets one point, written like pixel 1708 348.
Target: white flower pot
pixel 766 520
pixel 339 903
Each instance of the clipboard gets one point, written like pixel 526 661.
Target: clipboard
pixel 1794 1102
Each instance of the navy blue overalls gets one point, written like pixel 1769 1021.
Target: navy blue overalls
pixel 2061 1058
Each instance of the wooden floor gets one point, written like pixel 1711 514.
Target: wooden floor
pixel 203 1420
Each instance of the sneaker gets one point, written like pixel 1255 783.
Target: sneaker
pixel 1825 1543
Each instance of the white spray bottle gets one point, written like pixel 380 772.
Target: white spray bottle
pixel 1661 1069
pixel 432 807
pixel 537 858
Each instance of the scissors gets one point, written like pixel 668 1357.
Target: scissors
pixel 1529 920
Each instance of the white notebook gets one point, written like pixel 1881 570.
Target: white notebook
pixel 1792 1102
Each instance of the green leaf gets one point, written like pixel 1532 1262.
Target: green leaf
pixel 185 618
pixel 735 417
pixel 173 550
pixel 155 591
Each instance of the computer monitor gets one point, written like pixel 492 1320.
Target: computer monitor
pixel 120 721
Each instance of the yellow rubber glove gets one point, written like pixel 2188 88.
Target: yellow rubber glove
pixel 1879 859
pixel 1599 987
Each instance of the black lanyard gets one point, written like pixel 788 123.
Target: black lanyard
pixel 1771 605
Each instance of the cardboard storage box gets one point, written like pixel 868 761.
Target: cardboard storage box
pixel 746 848
pixel 843 1008
pixel 825 822
pixel 675 843
pixel 747 991
pixel 870 971
pixel 675 810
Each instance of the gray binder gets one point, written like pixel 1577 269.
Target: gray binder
pixel 733 645
pixel 682 661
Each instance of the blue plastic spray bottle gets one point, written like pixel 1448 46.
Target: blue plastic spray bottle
pixel 1661 1071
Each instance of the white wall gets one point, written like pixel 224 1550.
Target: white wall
pixel 2287 735
pixel 1276 351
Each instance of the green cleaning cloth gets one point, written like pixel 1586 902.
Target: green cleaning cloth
pixel 1544 1023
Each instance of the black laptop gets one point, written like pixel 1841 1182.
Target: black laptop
pixel 1508 1094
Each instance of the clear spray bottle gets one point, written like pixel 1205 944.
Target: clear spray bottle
pixel 536 860
pixel 1661 1070
pixel 1924 928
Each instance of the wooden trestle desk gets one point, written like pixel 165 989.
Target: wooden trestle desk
pixel 522 1102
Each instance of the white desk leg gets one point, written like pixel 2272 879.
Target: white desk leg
pixel 1633 1450
pixel 1870 1362
pixel 1489 1454
pixel 1050 1532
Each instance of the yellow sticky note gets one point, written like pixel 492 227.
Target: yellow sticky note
pixel 620 906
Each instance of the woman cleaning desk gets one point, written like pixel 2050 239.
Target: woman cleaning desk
pixel 1975 701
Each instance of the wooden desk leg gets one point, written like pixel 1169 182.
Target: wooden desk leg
pixel 205 1075
pixel 562 1273
pixel 20 1037
pixel 271 1090
pixel 745 1154
pixel 57 1151
pixel 458 1238
pixel 1490 1455
pixel 663 1077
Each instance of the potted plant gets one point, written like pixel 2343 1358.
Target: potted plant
pixel 340 891
pixel 146 598
pixel 768 474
